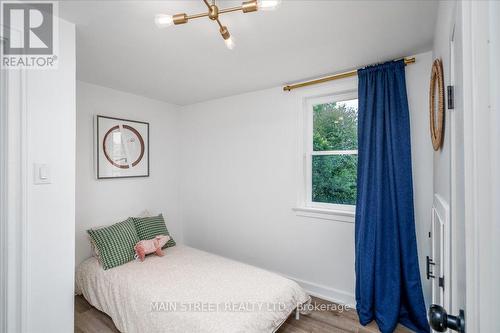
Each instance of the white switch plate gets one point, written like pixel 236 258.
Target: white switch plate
pixel 41 174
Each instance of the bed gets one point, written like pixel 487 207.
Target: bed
pixel 189 290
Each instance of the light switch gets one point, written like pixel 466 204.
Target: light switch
pixel 42 173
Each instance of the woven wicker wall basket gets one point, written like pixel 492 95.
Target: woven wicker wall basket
pixel 436 86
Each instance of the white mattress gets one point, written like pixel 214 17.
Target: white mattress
pixel 189 290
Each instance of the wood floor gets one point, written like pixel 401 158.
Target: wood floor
pixel 90 320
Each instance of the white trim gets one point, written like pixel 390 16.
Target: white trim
pixel 478 167
pixel 306 207
pixel 325 292
pixel 495 153
pixel 25 182
pixel 334 152
pixel 3 198
pixel 472 310
pixel 452 234
pixel 349 209
pixel 16 202
pixel 340 96
pixel 326 214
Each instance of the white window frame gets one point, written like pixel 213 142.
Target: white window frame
pixel 307 207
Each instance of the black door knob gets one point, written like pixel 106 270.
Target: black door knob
pixel 440 320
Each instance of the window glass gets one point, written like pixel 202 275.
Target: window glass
pixel 335 125
pixel 334 179
pixel 333 168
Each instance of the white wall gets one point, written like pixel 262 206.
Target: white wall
pixel 417 80
pixel 230 170
pixel 50 219
pixel 241 170
pixel 101 202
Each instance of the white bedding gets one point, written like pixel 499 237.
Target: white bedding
pixel 189 290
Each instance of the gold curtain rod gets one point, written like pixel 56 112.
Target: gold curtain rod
pixel 333 77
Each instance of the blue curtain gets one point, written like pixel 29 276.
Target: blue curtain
pixel 388 286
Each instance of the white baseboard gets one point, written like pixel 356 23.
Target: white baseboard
pixel 327 293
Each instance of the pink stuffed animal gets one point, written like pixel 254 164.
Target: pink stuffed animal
pixel 145 247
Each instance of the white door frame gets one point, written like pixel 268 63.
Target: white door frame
pixel 494 38
pixel 479 129
pixel 3 198
pixel 14 201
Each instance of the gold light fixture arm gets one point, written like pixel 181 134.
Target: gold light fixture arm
pixel 206 3
pixel 195 16
pixel 230 10
pixel 220 24
pixel 214 12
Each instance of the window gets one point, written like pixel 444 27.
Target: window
pixel 331 152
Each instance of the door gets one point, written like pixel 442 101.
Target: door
pixel 448 262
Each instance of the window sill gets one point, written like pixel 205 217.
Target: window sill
pixel 325 214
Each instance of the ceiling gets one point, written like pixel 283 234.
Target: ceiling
pixel 119 46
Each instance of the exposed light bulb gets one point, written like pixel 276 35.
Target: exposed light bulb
pixel 163 20
pixel 230 43
pixel 268 4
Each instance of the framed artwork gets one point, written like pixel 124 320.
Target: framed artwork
pixel 122 148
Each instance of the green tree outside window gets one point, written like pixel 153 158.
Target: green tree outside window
pixel 334 173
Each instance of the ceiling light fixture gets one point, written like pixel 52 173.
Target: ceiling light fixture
pixel 163 20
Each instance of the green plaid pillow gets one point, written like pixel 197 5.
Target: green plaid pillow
pixel 150 227
pixel 115 243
